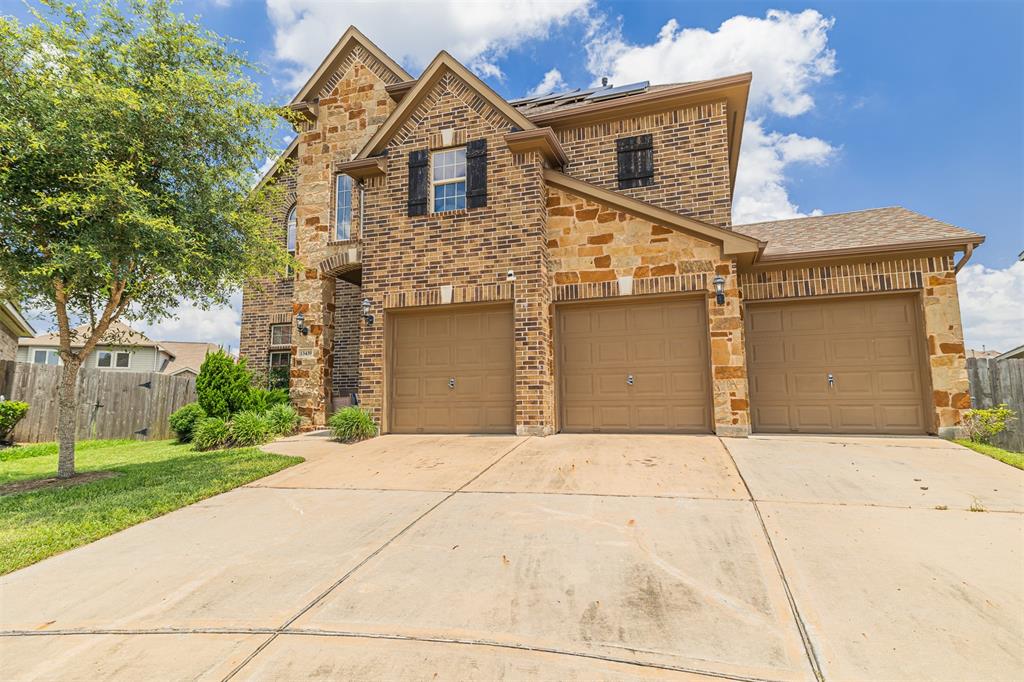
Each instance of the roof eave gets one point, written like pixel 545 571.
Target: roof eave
pixel 15 321
pixel 952 244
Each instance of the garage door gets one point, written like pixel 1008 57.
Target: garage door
pixel 452 371
pixel 870 347
pixel 639 367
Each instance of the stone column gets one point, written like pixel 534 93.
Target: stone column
pixel 728 358
pixel 313 352
pixel 535 386
pixel 947 361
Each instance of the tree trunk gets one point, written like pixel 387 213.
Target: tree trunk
pixel 67 419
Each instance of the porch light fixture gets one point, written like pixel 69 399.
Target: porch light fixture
pixel 300 324
pixel 366 311
pixel 719 283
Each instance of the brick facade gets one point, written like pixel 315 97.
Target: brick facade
pixel 559 247
pixel 691 159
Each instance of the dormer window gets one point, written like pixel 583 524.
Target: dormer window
pixel 343 208
pixel 448 179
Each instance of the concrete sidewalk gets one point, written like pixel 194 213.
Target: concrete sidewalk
pixel 567 557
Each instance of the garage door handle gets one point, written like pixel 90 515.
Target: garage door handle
pixel 629 379
pixel 451 382
pixel 831 381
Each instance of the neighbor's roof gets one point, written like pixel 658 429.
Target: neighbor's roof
pixel 188 355
pixel 891 228
pixel 118 334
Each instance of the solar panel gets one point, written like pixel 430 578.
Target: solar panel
pixel 544 99
pixel 608 93
pixel 521 100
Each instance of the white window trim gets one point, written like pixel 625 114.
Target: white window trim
pixel 451 181
pixel 351 206
pixel 281 346
pixel 113 359
pixel 288 228
pixel 32 355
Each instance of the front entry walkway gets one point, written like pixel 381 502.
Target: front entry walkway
pixel 570 557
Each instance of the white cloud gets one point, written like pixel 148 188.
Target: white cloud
pixel 990 306
pixel 551 82
pixel 788 54
pixel 476 33
pixel 764 158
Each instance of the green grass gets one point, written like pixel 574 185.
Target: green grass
pixel 156 477
pixel 1014 459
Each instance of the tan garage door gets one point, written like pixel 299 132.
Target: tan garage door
pixel 452 371
pixel 640 366
pixel 871 347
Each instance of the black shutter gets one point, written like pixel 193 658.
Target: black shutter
pixel 476 173
pixel 636 161
pixel 418 181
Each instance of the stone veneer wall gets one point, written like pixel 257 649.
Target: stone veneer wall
pixel 933 276
pixel 351 107
pixel 599 252
pixel 691 159
pixel 407 260
pixel 268 301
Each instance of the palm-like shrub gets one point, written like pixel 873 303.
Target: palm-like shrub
pixel 283 419
pixel 352 424
pixel 262 399
pixel 223 386
pixel 250 428
pixel 183 420
pixel 210 433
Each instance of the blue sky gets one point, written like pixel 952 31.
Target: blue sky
pixel 855 104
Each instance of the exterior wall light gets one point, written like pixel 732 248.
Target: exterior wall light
pixel 366 311
pixel 719 283
pixel 300 324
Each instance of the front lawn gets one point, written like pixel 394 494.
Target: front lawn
pixel 1014 459
pixel 153 478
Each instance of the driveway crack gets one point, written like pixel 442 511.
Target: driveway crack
pixel 277 631
pixel 812 656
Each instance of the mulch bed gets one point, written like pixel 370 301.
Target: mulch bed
pixel 43 483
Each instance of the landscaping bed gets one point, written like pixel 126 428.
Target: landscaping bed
pixel 149 479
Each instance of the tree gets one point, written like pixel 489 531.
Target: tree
pixel 128 142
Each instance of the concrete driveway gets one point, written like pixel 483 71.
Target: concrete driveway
pixel 564 558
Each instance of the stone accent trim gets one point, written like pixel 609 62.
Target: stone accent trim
pixel 485 293
pixel 346 260
pixel 848 278
pixel 453 85
pixel 363 56
pixel 650 285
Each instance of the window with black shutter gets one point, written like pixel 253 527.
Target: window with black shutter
pixel 476 173
pixel 636 161
pixel 419 181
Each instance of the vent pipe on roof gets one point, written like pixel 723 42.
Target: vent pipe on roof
pixel 604 81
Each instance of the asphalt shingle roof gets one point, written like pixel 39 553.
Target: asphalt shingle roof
pixel 881 227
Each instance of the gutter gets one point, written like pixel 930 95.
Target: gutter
pixel 934 245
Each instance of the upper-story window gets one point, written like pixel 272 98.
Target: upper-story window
pixel 448 179
pixel 292 229
pixel 635 161
pixel 343 219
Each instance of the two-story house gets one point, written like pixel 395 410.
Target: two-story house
pixel 568 263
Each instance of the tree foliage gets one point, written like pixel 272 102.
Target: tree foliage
pixel 129 139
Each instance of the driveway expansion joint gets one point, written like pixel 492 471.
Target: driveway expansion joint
pixel 805 637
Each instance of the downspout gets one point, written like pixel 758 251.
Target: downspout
pixel 968 250
pixel 362 205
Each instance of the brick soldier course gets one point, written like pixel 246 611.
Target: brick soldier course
pixel 572 200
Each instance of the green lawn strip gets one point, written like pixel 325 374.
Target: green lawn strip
pixel 1014 459
pixel 155 478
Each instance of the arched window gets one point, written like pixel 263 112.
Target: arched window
pixel 291 230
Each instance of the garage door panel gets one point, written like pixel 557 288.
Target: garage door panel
pixel 871 346
pixel 662 343
pixel 471 345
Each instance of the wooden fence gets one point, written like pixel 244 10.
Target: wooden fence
pixel 111 404
pixel 1000 381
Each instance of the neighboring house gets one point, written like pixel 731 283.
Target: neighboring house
pixel 121 349
pixel 974 353
pixel 568 262
pixel 1014 354
pixel 12 326
pixel 187 356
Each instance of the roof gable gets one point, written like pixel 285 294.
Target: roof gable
pixel 351 40
pixel 443 66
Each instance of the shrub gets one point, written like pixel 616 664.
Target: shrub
pixel 262 399
pixel 210 433
pixel 223 385
pixel 183 420
pixel 250 428
pixel 351 424
pixel 11 412
pixel 283 419
pixel 982 424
